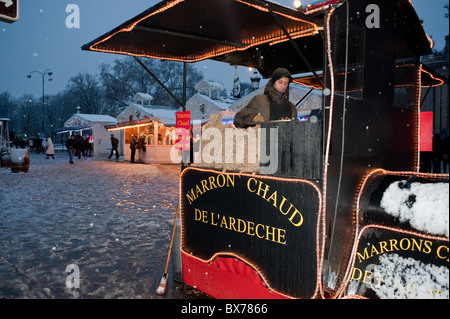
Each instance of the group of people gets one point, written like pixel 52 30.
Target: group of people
pixel 78 145
pixel 137 143
pixel 39 145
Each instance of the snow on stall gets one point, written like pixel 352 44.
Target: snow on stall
pixel 407 278
pixel 424 206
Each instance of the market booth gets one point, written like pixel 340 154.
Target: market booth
pixel 319 222
pixel 89 126
pixel 154 126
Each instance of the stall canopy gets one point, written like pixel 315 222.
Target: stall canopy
pixel 194 30
pixel 239 32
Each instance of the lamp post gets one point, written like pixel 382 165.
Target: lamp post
pixel 49 73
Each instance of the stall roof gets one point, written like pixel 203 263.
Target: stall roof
pixel 239 32
pixel 90 118
pixel 194 30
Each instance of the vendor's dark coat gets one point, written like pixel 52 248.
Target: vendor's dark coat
pixel 260 104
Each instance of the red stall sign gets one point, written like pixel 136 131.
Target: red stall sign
pixel 426 131
pixel 183 126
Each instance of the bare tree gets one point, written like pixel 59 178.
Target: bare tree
pixel 7 105
pixel 126 78
pixel 85 91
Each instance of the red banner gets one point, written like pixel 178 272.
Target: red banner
pixel 183 126
pixel 426 131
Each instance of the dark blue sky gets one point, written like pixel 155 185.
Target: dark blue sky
pixel 40 40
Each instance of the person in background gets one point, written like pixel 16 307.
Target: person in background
pixel 273 105
pixel 114 147
pixel 90 145
pixel 37 144
pixel 79 146
pixel 70 148
pixel 50 149
pixel 133 145
pixel 141 147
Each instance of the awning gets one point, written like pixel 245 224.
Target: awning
pixel 195 30
pixel 134 123
pixel 245 32
pixel 73 128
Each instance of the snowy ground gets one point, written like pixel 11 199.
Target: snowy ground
pixel 110 219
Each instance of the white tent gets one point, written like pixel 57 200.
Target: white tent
pixel 80 122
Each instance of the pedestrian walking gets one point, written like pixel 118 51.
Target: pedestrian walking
pixel 70 148
pixel 79 146
pixel 50 149
pixel 114 147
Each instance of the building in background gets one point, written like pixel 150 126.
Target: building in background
pixel 435 98
pixel 91 126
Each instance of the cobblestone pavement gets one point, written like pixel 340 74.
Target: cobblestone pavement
pixel 110 219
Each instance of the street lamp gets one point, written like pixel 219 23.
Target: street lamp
pixel 49 73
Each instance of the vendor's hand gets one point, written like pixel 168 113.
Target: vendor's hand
pixel 259 118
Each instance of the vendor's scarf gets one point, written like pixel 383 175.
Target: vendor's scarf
pixel 275 96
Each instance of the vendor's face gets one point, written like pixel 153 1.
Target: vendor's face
pixel 281 85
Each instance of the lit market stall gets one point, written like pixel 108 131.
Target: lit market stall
pixel 316 226
pixel 88 126
pixel 155 127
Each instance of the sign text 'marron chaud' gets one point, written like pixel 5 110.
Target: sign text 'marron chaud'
pixel 254 186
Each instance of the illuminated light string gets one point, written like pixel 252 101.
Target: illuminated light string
pixel 313 29
pixel 310 9
pixel 417 115
pixel 327 151
pixel 128 126
pixel 430 41
pixel 354 297
pixel 440 81
pixel 319 229
pixel 317 86
pixel 369 175
pixel 295 35
pixel 197 58
pixel 264 9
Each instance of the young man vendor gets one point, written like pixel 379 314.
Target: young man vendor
pixel 273 105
